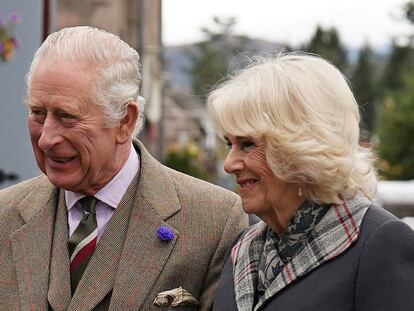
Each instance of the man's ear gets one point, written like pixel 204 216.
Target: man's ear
pixel 127 124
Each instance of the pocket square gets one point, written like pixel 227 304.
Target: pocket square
pixel 177 297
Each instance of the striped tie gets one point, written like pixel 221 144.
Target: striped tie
pixel 82 242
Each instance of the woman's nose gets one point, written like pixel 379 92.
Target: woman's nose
pixel 233 162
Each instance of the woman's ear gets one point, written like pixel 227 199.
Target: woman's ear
pixel 127 124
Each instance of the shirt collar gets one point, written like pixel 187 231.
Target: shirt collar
pixel 113 191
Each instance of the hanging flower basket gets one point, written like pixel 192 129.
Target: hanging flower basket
pixel 8 42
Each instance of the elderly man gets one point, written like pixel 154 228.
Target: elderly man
pixel 106 227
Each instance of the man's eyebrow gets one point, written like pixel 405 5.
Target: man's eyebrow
pixel 30 102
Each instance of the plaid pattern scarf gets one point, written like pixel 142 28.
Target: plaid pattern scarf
pixel 279 250
pixel 332 235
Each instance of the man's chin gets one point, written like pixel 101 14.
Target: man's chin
pixel 64 182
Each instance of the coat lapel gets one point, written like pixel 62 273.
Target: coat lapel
pixel 99 276
pixel 31 245
pixel 59 293
pixel 144 255
pixel 129 256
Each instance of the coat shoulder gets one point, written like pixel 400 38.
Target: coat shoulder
pixel 11 197
pixel 386 265
pixel 212 204
pixel 374 219
pixel 189 186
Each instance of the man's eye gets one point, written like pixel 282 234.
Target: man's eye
pixel 67 117
pixel 37 112
pixel 38 115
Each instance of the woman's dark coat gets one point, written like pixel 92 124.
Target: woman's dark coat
pixel 376 273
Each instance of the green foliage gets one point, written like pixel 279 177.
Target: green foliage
pixel 395 131
pixel 409 11
pixel 213 56
pixel 400 63
pixel 363 85
pixel 401 59
pixel 396 119
pixel 327 43
pixel 208 69
pixel 187 159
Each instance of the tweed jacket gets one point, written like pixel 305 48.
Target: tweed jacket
pixel 130 265
pixel 375 273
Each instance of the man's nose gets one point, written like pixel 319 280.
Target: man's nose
pixel 51 134
pixel 233 162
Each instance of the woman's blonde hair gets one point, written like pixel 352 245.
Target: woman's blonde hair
pixel 303 109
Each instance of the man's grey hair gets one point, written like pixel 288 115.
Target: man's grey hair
pixel 114 63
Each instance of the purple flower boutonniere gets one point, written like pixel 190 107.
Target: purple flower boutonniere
pixel 165 234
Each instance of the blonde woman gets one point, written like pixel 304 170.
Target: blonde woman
pixel 292 127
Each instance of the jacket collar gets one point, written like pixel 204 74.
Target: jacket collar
pixel 156 185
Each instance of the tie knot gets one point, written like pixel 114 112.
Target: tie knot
pixel 88 204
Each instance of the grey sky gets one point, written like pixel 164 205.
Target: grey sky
pixel 288 21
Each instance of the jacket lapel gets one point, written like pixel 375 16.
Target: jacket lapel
pixel 31 245
pixel 99 276
pixel 129 256
pixel 59 293
pixel 144 255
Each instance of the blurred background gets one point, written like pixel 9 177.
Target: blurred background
pixel 188 46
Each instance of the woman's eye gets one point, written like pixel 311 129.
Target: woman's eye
pixel 246 145
pixel 227 144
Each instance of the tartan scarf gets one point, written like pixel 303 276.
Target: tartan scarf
pixel 279 250
pixel 329 237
